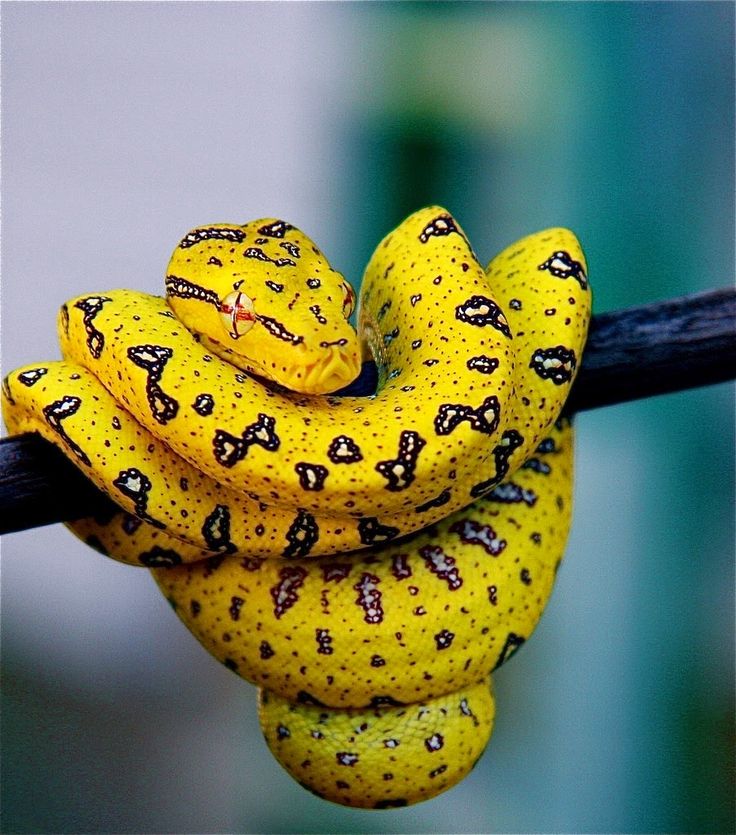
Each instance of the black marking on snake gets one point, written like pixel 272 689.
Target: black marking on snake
pixel 546 446
pixel 437 501
pixel 317 311
pixel 136 485
pixel 510 647
pixel 339 343
pixel 557 364
pixel 562 265
pixel 472 532
pixel 153 359
pixel 434 742
pixel 305 698
pixel 181 288
pixel 511 493
pixel 6 391
pixel 510 441
pixel 60 410
pixel 333 572
pixel 313 283
pixel 324 641
pixel 344 450
pixel 302 535
pixel 383 310
pixel 284 593
pixel 371 531
pixel 369 597
pixel 236 604
pixel 274 327
pixel 444 638
pixel 415 299
pixel 212 233
pixel 159 557
pixel 311 476
pixel 216 530
pixel 291 248
pixel 400 471
pixel 266 651
pixel 90 307
pixel 482 364
pixel 441 225
pixel 515 304
pixel 483 418
pixel 481 311
pixel 131 523
pixel 229 449
pixel 442 565
pixel 388 338
pixel 277 229
pixel 65 318
pixel 272 285
pixel 32 376
pixel 537 466
pixel 204 404
pixel 215 262
pixel 257 253
pixel 466 710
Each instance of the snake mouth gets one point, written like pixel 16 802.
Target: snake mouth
pixel 332 369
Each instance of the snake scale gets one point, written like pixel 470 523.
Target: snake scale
pixel 366 561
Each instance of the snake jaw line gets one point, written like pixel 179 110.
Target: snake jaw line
pixel 374 663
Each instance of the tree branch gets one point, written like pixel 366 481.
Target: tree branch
pixel 644 351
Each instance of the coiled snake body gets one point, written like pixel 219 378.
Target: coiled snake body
pixel 249 494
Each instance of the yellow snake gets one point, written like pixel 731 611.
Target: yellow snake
pixel 207 417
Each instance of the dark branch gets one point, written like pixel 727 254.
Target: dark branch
pixel 656 349
pixel 664 347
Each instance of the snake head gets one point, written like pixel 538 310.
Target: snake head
pixel 263 297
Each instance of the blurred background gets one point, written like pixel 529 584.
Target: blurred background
pixel 123 125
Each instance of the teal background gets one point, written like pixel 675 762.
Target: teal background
pixel 126 124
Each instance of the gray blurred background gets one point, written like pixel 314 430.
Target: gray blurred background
pixel 123 125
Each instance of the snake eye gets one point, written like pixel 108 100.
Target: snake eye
pixel 348 302
pixel 237 314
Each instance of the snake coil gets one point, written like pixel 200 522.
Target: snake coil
pixel 367 562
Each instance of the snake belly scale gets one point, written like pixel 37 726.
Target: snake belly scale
pixel 207 417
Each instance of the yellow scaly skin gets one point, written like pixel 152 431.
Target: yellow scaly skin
pixel 459 402
pixel 217 470
pixel 404 637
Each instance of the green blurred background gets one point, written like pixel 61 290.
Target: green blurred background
pixel 126 124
